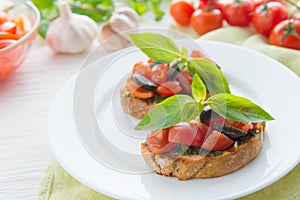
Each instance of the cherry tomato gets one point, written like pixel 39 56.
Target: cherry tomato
pixel 220 120
pixel 257 3
pixel 286 34
pixel 9 27
pixel 5 42
pixel 204 20
pixel 207 4
pixel 189 133
pixel 237 12
pixel 142 68
pixel 137 91
pixel 159 74
pixel 267 16
pixel 5 35
pixel 185 80
pixel 181 11
pixel 158 141
pixel 169 88
pixel 217 141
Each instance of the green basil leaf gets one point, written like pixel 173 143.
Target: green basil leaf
pixel 211 75
pixel 184 53
pixel 198 89
pixel 156 46
pixel 237 108
pixel 169 112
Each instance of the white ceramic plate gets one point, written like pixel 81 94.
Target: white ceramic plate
pixel 102 151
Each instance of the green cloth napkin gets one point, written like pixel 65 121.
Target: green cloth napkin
pixel 246 38
pixel 57 184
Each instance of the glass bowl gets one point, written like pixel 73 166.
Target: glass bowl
pixel 13 55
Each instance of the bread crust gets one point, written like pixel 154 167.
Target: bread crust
pixel 199 166
pixel 134 106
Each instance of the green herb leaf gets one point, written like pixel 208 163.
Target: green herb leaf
pixel 159 13
pixel 184 53
pixel 99 11
pixel 156 46
pixel 198 89
pixel 170 112
pixel 237 108
pixel 211 75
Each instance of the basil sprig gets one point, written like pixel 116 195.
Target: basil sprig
pixel 206 76
pixel 170 112
pixel 237 108
pixel 181 107
pixel 163 49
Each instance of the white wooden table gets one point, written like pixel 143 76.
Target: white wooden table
pixel 25 100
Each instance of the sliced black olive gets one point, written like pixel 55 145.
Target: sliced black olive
pixel 208 114
pixel 230 131
pixel 144 82
pixel 153 64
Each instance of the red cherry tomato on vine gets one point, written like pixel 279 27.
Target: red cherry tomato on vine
pixel 257 3
pixel 204 20
pixel 238 12
pixel 266 16
pixel 181 11
pixel 286 34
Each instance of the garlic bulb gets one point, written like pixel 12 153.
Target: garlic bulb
pixel 112 35
pixel 71 33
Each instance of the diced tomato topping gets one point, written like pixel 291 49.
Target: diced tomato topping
pixel 240 125
pixel 169 88
pixel 189 133
pixel 158 141
pixel 220 120
pixel 185 80
pixel 142 68
pixel 217 141
pixel 159 74
pixel 137 91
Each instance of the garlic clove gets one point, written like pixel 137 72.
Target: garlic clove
pixel 130 13
pixel 111 40
pixel 121 23
pixel 71 33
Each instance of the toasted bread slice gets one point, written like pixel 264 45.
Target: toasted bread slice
pixel 204 166
pixel 135 107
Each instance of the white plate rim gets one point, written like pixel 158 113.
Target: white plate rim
pixel 68 166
